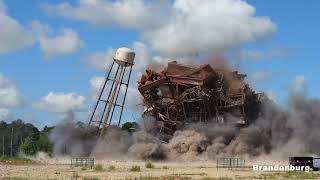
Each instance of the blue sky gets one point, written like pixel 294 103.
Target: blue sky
pixel 297 32
pixel 282 56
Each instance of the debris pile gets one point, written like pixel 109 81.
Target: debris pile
pixel 183 94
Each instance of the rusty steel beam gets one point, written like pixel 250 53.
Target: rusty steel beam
pixel 182 94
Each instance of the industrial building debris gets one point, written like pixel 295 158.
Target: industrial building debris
pixel 184 94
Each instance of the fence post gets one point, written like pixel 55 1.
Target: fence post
pixel 11 152
pixel 3 145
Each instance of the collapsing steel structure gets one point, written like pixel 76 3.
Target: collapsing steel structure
pixel 182 94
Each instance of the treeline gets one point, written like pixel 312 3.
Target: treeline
pixel 17 136
pixel 20 137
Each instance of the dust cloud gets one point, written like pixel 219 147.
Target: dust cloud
pixel 277 132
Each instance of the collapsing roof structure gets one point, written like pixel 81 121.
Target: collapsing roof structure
pixel 182 94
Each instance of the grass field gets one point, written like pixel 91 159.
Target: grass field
pixel 142 170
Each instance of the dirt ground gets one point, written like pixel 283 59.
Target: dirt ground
pixel 122 170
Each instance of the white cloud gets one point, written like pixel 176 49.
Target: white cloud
pixel 180 28
pixel 60 102
pixel 2 6
pixel 208 25
pixel 259 55
pixel 4 113
pixel 39 29
pixel 9 94
pixel 65 42
pixel 142 58
pixel 250 54
pixel 134 98
pixel 95 86
pixel 299 84
pixel 13 36
pixel 271 95
pixel 99 60
pixel 259 76
pixel 128 13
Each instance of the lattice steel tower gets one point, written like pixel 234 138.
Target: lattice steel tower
pixel 117 76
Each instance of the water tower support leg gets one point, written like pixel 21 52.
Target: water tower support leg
pixel 125 95
pixel 101 92
pixel 109 94
pixel 117 94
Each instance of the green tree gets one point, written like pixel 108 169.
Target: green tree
pixel 20 131
pixel 43 143
pixel 130 126
pixel 3 125
pixel 28 146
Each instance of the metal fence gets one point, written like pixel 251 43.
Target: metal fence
pixel 231 163
pixel 82 162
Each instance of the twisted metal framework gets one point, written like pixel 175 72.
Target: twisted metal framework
pixel 182 94
pixel 109 104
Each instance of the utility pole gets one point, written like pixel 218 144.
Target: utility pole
pixel 3 146
pixel 11 153
pixel 65 149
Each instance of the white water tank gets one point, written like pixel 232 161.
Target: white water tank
pixel 124 56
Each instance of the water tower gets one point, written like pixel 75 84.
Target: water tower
pixel 109 99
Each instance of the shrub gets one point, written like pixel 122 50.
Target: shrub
pixel 149 165
pixel 98 167
pixel 90 178
pixel 111 168
pixel 170 178
pixel 135 168
pixel 148 178
pixel 215 178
